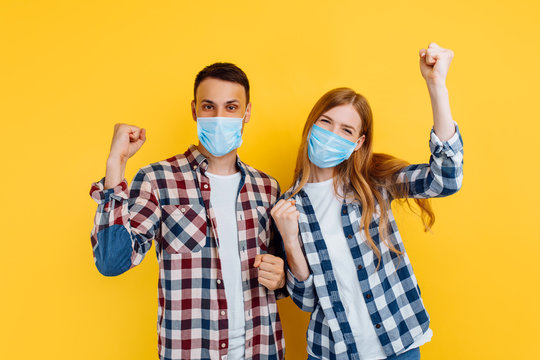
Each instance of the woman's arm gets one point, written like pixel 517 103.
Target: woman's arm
pixel 298 275
pixel 434 64
pixel 444 173
pixel 286 219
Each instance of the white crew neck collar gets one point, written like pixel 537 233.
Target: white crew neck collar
pixel 320 184
pixel 216 176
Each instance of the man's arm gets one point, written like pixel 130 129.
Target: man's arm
pixel 125 223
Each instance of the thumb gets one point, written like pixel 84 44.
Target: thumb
pixel 142 137
pixel 258 260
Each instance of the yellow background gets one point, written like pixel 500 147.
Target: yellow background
pixel 69 70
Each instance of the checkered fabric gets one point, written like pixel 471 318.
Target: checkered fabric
pixel 391 292
pixel 169 202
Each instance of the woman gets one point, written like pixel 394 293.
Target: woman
pixel 346 261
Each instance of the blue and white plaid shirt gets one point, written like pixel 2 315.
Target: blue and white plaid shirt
pixel 391 292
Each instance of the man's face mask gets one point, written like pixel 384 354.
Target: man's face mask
pixel 220 135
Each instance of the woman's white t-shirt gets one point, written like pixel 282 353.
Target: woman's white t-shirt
pixel 327 208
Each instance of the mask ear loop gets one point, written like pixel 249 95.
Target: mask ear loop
pixel 360 138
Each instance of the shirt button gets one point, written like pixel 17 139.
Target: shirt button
pixel 205 186
pixel 183 210
pixel 222 312
pixel 344 212
pixel 223 345
pixel 368 296
pixel 194 167
pixel 359 267
pixel 378 326
pixel 349 236
pixel 218 281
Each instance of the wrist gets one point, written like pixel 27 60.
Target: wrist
pixel 437 88
pixel 116 160
pixel 291 241
pixel 114 173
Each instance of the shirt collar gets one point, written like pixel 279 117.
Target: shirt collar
pixel 349 198
pixel 197 160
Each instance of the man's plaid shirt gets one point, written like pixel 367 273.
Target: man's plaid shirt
pixel 169 202
pixel 391 291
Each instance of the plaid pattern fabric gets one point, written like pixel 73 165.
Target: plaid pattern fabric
pixel 391 292
pixel 169 202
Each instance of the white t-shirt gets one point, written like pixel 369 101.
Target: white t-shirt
pixel 327 208
pixel 224 190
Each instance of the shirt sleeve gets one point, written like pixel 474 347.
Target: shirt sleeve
pixel 444 173
pixel 124 224
pixel 302 292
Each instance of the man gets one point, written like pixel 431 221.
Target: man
pixel 208 214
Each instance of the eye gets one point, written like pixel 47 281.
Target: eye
pixel 207 107
pixel 231 107
pixel 324 121
pixel 348 131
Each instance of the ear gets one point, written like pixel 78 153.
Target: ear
pixel 360 142
pixel 193 110
pixel 248 113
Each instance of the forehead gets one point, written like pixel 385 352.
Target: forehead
pixel 345 114
pixel 220 91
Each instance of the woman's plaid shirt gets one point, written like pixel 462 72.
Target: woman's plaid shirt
pixel 391 292
pixel 169 202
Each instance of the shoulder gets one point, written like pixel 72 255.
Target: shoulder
pixel 262 182
pixel 173 167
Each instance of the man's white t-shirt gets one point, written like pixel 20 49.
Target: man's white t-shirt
pixel 224 190
pixel 327 208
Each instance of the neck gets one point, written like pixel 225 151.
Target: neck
pixel 317 174
pixel 223 165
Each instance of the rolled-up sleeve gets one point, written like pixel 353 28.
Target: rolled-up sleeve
pixel 302 292
pixel 443 175
pixel 124 224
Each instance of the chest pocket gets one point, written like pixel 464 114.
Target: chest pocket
pixel 183 228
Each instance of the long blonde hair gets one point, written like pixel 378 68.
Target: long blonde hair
pixel 366 174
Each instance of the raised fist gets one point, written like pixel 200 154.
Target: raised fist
pixel 127 140
pixel 434 63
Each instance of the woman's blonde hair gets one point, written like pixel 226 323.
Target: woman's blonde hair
pixel 365 174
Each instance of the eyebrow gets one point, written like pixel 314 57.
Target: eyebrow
pixel 326 116
pixel 227 102
pixel 344 125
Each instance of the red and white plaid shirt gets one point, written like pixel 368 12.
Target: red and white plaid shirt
pixel 169 202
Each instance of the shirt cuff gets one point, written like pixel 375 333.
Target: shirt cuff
pixel 451 147
pixel 102 196
pixel 293 282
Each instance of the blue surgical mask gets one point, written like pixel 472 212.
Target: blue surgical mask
pixel 220 135
pixel 327 149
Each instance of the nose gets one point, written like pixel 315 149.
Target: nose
pixel 221 112
pixel 333 128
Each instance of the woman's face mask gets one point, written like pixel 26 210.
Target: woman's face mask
pixel 326 149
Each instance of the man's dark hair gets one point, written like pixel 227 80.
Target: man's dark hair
pixel 223 71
